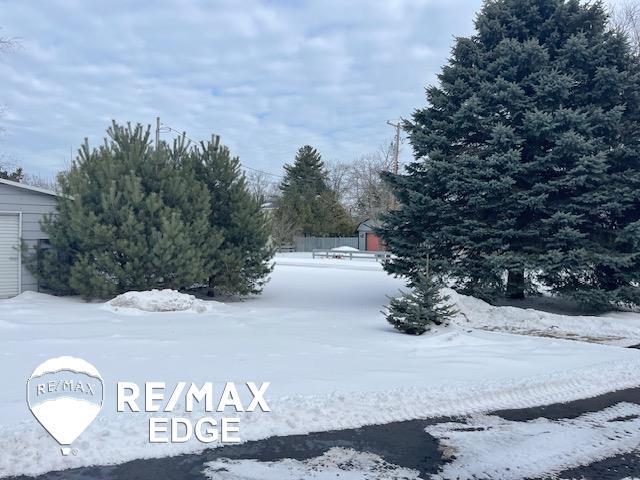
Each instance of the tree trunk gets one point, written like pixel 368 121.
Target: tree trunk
pixel 210 290
pixel 515 284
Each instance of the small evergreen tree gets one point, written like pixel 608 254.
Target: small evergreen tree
pixel 415 312
pixel 307 199
pixel 242 262
pixel 129 218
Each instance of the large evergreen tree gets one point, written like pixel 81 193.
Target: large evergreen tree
pixel 241 264
pixel 528 159
pixel 129 218
pixel 308 201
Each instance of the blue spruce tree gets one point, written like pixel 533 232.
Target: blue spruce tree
pixel 527 159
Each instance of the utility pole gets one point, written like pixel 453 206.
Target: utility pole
pixel 396 153
pixel 157 133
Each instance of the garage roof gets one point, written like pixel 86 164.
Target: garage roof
pixel 29 187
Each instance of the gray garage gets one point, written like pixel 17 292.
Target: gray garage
pixel 21 209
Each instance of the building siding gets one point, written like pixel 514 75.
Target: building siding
pixel 33 206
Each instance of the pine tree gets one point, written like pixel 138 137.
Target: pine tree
pixel 418 310
pixel 307 199
pixel 528 159
pixel 129 218
pixel 242 263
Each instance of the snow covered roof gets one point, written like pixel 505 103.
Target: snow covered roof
pixel 29 187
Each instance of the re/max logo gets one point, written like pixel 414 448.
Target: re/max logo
pixel 163 430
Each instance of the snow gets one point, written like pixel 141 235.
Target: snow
pixel 344 249
pixel 336 463
pixel 356 263
pixel 316 334
pixel 304 259
pixel 493 448
pixel 613 328
pixel 158 301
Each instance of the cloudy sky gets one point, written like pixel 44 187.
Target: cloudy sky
pixel 268 76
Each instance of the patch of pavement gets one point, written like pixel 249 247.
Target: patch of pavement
pixel 625 466
pixel 402 443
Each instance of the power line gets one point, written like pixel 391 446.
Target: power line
pixel 169 129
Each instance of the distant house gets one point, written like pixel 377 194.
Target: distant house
pixel 268 206
pixel 367 239
pixel 22 207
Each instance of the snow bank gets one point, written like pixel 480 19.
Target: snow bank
pixel 344 249
pixel 493 448
pixel 614 329
pixel 336 463
pixel 158 301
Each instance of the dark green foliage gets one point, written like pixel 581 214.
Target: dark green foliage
pixel 134 218
pixel 528 159
pixel 130 218
pixel 15 176
pixel 241 264
pixel 308 202
pixel 415 312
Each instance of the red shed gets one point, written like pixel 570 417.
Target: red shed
pixel 367 239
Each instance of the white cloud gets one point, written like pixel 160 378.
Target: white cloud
pixel 268 76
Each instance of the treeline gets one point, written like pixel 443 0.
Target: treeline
pixel 136 216
pixel 321 198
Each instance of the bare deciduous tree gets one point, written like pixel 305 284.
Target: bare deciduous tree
pixel 283 229
pixel 6 45
pixel 371 196
pixel 339 176
pixel 261 185
pixel 8 168
pixel 625 17
pixel 40 181
pixel 359 185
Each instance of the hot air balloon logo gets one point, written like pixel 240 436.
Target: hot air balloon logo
pixel 65 394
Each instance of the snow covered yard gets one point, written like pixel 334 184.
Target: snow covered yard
pixel 316 334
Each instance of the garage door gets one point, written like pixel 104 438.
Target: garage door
pixel 9 255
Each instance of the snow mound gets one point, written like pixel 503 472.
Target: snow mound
pixel 622 329
pixel 336 463
pixel 158 301
pixel 30 296
pixel 344 249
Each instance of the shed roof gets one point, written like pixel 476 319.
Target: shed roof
pixel 28 187
pixel 369 222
